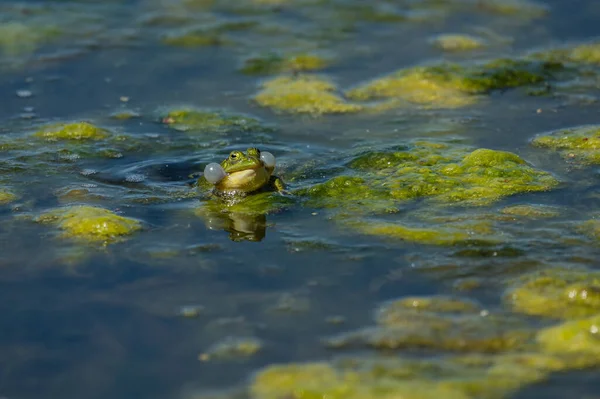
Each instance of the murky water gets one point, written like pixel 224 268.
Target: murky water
pixel 173 309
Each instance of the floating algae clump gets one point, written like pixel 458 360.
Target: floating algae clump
pixel 456 42
pixel 588 53
pixel 531 211
pixel 306 94
pixel 446 173
pixel 72 131
pixel 91 223
pixel 274 63
pixel 591 228
pixel 453 85
pixel 7 197
pixel 321 380
pixel 574 337
pixel 197 120
pixel 454 233
pixel 579 144
pixel 232 348
pixel 428 322
pixel 557 293
pixel 453 377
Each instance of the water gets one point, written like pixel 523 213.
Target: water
pixel 101 321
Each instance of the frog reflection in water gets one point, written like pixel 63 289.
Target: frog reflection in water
pixel 237 177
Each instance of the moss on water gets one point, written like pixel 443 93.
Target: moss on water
pixel 449 234
pixel 531 211
pixel 586 53
pixel 304 94
pixel 6 196
pixel 556 293
pixel 514 8
pixel 79 131
pixel 273 63
pixel 92 224
pixel 191 119
pixel 17 38
pixel 578 337
pixel 458 42
pixel 457 377
pixel 439 323
pixel 579 144
pixel 452 85
pixel 445 173
pixel 232 348
pixel 195 39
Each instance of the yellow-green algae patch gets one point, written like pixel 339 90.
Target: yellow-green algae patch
pixel 557 293
pixel 232 348
pixel 579 144
pixel 591 228
pixel 72 131
pixel 453 85
pixel 427 322
pixel 17 38
pixel 209 121
pixel 458 42
pixel 377 181
pixel 576 337
pixel 6 196
pixel 305 94
pixel 90 223
pixel 456 233
pixel 514 8
pixel 273 63
pixel 531 211
pixel 586 53
pixel 453 377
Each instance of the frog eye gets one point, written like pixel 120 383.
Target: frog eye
pixel 268 159
pixel 214 173
pixel 233 156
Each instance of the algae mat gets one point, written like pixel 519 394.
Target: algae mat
pixel 437 234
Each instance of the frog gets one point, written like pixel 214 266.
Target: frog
pixel 242 174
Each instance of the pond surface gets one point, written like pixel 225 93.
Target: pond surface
pixel 439 236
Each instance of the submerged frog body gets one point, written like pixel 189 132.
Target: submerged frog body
pixel 244 173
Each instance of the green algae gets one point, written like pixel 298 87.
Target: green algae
pixel 586 53
pixel 72 131
pixel 579 144
pixel 531 211
pixel 514 8
pixel 452 85
pixel 457 377
pixel 304 94
pixel 91 224
pixel 17 38
pixel 556 293
pixel 591 228
pixel 440 323
pixel 232 348
pixel 6 197
pixel 188 119
pixel 446 173
pixel 195 39
pixel 458 42
pixel 580 337
pixel 479 232
pixel 274 63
